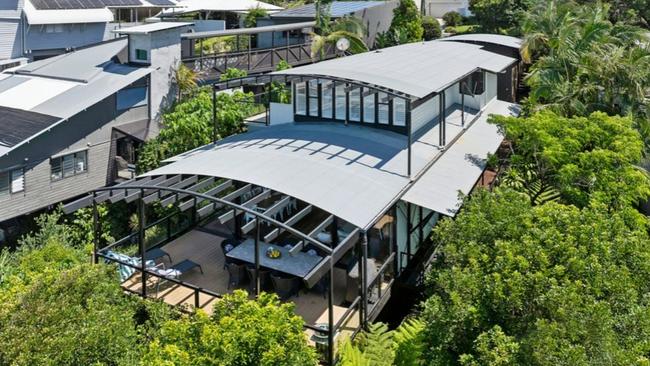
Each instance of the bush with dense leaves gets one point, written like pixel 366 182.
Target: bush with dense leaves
pixel 239 332
pixel 452 18
pixel 587 159
pixel 431 28
pixel 546 285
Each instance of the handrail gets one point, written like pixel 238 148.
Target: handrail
pixel 338 324
pixel 245 53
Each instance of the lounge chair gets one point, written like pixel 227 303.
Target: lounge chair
pixel 157 253
pixel 126 268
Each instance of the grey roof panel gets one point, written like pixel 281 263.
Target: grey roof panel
pixel 416 69
pixel 113 78
pixel 460 167
pixel 337 9
pixel 497 39
pixel 80 65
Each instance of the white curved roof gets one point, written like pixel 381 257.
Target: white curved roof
pixel 190 6
pixel 498 39
pixel 416 69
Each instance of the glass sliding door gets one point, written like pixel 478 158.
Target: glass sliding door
pixel 327 101
pixel 341 106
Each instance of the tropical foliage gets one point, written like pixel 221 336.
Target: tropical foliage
pixel 348 27
pixel 56 308
pixel 405 27
pixel 186 81
pixel 240 332
pixel 379 346
pixel 250 21
pixel 499 16
pixel 189 125
pixel 586 159
pixel 452 18
pixel 546 285
pixel 586 63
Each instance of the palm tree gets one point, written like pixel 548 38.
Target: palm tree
pixel 348 27
pixel 186 80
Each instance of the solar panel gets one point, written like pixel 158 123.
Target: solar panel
pixel 161 2
pixel 85 4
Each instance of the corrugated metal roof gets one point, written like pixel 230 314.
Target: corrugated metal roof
pixel 497 39
pixel 459 168
pixel 337 9
pixel 152 27
pixel 191 6
pixel 415 69
pixel 256 30
pixel 352 172
pixel 81 65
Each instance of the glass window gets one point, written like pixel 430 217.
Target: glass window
pixel 12 181
pixel 340 101
pixel 17 180
pixel 4 183
pixel 68 165
pixel 313 97
pixel 355 104
pixel 301 99
pixel 473 84
pixel 141 54
pixel 399 112
pixel 369 108
pixel 383 109
pixel 326 99
pixel 133 97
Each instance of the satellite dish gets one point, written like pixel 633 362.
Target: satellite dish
pixel 342 44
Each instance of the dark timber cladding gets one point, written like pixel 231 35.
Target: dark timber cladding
pixel 16 125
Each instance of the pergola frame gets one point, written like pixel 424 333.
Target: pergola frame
pixel 142 191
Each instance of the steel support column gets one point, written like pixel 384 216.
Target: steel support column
pixel 95 230
pixel 363 278
pixel 141 237
pixel 215 131
pixel 408 127
pixel 330 315
pixel 257 257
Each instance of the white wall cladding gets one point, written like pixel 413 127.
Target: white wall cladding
pixel 10 40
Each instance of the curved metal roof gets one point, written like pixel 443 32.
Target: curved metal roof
pixel 497 39
pixel 415 69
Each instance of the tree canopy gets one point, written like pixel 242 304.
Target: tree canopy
pixel 587 159
pixel 239 332
pixel 545 285
pixel 499 16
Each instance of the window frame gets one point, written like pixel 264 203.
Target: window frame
pixel 8 175
pixel 470 81
pixel 138 54
pixel 74 172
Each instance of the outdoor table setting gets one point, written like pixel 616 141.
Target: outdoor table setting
pixel 275 257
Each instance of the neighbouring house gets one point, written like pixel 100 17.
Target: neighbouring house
pixel 71 123
pixel 375 15
pixel 438 8
pixel 331 204
pixel 36 29
pixel 203 12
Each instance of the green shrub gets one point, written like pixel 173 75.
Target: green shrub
pixel 452 18
pixel 431 28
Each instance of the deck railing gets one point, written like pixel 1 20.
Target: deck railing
pixel 255 60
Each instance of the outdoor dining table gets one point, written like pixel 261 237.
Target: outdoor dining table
pixel 298 264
